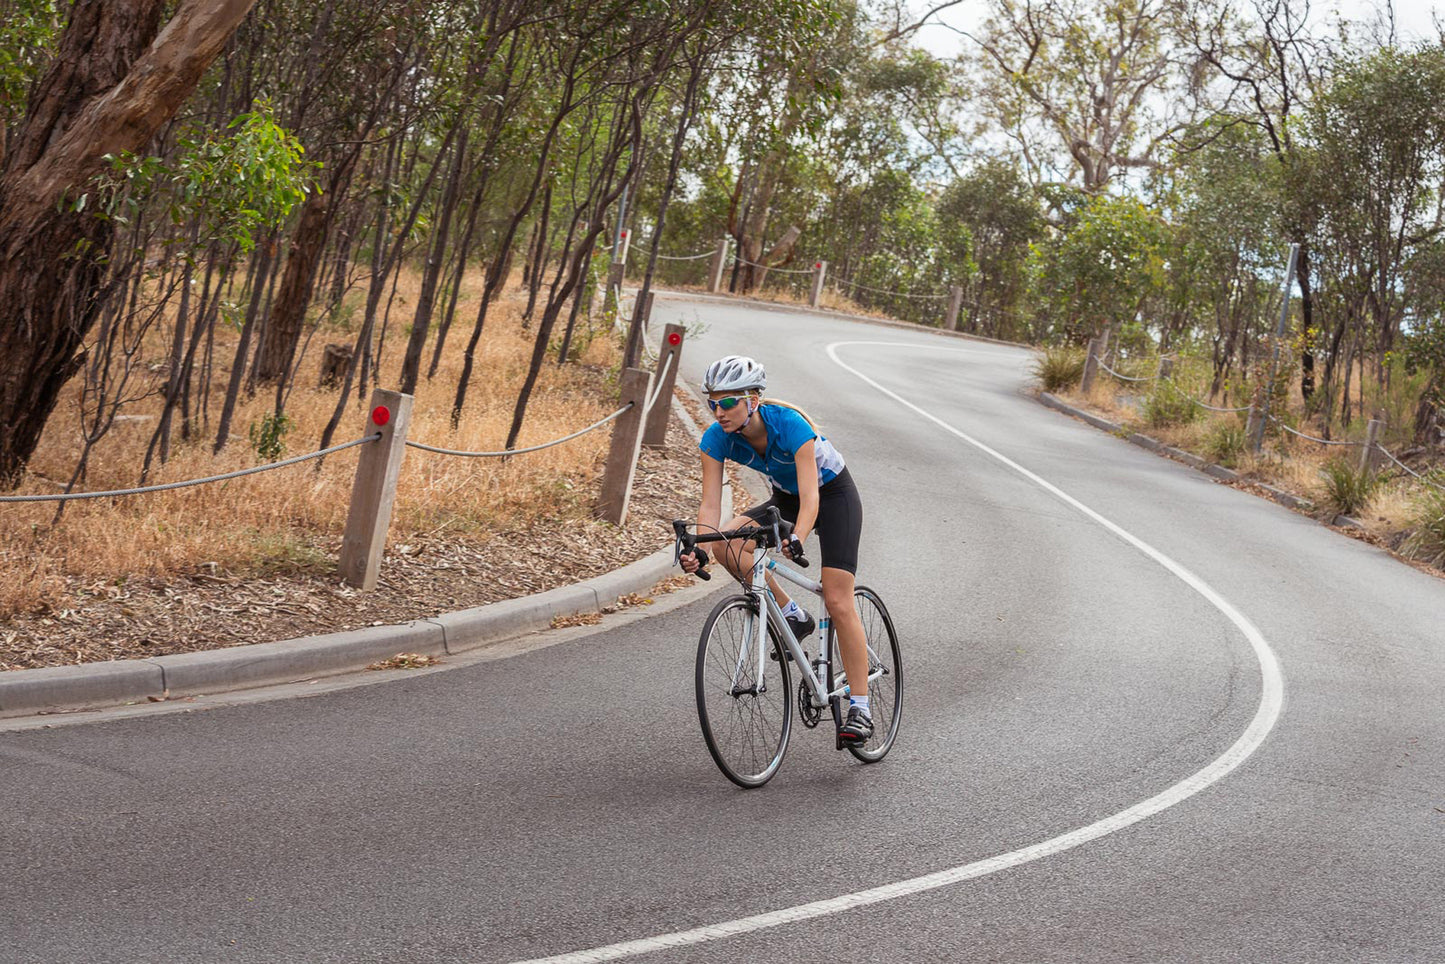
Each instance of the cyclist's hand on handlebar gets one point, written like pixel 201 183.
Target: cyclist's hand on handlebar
pixel 694 561
pixel 793 549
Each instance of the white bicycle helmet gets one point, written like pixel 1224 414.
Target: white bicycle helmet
pixel 735 373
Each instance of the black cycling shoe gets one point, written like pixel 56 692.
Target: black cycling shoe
pixel 801 628
pixel 857 728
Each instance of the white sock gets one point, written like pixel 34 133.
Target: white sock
pixel 861 702
pixel 793 611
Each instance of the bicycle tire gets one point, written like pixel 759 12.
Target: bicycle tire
pixel 746 732
pixel 885 693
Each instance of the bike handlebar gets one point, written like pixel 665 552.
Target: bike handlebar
pixel 770 533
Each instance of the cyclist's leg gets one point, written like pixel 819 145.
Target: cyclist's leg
pixel 852 642
pixel 840 529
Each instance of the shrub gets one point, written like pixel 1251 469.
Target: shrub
pixel 1347 489
pixel 1427 542
pixel 1167 405
pixel 268 438
pixel 1059 368
pixel 1226 441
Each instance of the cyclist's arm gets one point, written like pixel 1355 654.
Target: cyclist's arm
pixel 709 512
pixel 807 491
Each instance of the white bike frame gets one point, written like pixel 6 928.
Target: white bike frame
pixel 816 680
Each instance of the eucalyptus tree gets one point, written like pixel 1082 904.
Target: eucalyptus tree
pixel 1372 172
pixel 1101 269
pixel 1086 91
pixel 117 77
pixel 1274 63
pixel 1002 217
pixel 1224 197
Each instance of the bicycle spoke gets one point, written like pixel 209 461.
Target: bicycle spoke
pixel 744 714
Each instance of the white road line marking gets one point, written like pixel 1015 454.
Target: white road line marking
pixel 1271 702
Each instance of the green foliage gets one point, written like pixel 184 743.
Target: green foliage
pixel 1347 488
pixel 1059 368
pixel 268 438
pixel 27 36
pixel 1167 405
pixel 1000 215
pixel 1427 542
pixel 1102 267
pixel 1226 442
pixel 229 186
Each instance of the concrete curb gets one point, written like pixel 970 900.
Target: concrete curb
pixel 91 685
pixel 829 312
pixel 1284 498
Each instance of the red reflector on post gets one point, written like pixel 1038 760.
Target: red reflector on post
pixel 674 339
pixel 381 415
pixel 817 265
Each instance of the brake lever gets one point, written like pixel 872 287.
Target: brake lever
pixel 683 544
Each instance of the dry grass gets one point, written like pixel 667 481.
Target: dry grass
pixel 1299 466
pixel 271 522
pixel 1393 508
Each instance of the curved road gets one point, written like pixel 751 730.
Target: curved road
pixel 1148 718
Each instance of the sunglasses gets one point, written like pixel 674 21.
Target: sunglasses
pixel 726 404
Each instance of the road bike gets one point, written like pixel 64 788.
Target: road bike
pixel 744 685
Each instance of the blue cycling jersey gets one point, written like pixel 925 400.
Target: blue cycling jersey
pixel 788 431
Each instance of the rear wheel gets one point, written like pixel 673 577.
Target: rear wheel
pixel 744 699
pixel 885 676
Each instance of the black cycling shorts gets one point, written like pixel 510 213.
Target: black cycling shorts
pixel 840 519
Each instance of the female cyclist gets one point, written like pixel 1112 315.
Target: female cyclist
pixel 812 488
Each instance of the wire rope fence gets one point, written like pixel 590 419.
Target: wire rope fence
pixel 374 487
pixel 770 269
pixel 892 294
pixel 168 486
pixel 503 453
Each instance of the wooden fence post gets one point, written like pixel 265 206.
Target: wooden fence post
pixel 1258 420
pixel 820 272
pixel 1091 366
pixel 719 262
pixel 1372 438
pixel 374 489
pixel 626 442
pixel 955 302
pixel 654 433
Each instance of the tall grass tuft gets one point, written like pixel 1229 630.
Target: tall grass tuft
pixel 1347 489
pixel 1058 369
pixel 1168 405
pixel 1226 441
pixel 1427 542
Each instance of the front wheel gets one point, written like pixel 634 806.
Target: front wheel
pixel 885 675
pixel 744 699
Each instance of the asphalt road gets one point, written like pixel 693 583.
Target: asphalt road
pixel 1148 718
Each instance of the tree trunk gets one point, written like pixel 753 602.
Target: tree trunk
pixel 260 269
pixel 102 96
pixel 288 312
pixel 421 321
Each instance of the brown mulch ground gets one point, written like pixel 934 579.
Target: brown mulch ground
pixel 419 579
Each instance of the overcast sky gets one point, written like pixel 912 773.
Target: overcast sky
pixel 1413 18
